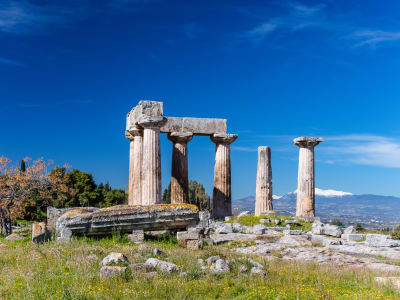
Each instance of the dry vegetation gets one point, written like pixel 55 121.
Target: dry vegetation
pixel 71 271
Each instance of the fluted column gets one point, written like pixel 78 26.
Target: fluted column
pixel 222 202
pixel 179 171
pixel 151 166
pixel 131 139
pixel 135 165
pixel 305 206
pixel 264 182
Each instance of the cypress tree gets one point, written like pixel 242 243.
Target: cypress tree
pixel 23 166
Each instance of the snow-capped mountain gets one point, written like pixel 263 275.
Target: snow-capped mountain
pixel 331 204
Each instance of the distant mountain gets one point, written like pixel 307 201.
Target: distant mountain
pixel 331 204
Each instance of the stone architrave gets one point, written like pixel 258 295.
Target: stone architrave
pixel 305 206
pixel 264 182
pixel 179 171
pixel 222 202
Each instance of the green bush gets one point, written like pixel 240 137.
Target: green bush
pixel 396 234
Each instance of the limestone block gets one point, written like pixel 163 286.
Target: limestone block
pixel 292 232
pixel 142 268
pixel 224 228
pixel 259 229
pixel 163 266
pixel 193 244
pixel 381 240
pixel 112 271
pixel 40 233
pixel 125 219
pixel 327 229
pixel 220 266
pixel 353 237
pixel 349 230
pixel 222 238
pixel 15 237
pixel 114 258
pixel 137 236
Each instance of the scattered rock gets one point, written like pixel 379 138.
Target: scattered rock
pixel 258 271
pixel 115 258
pixel 292 232
pixel 15 237
pixel 381 240
pixel 224 229
pixel 150 274
pixel 91 257
pixel 292 222
pixel 137 236
pixel 353 237
pixel 243 269
pixel 259 229
pixel 222 238
pixel 144 248
pixel 157 251
pixel 255 264
pixel 112 271
pixel 228 218
pixel 236 227
pixel 142 268
pixel 327 229
pixel 349 230
pixel 200 262
pixel 40 233
pixel 220 266
pixel 211 260
pixel 164 266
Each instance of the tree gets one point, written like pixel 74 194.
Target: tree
pixel 166 199
pixel 19 190
pixel 23 166
pixel 337 222
pixel 86 192
pixel 198 195
pixel 114 197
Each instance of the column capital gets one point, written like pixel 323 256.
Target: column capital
pixel 180 137
pixel 152 122
pixel 307 141
pixel 132 132
pixel 223 138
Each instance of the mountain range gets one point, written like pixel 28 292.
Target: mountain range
pixel 370 210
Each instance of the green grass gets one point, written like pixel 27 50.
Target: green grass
pixel 254 220
pixel 62 271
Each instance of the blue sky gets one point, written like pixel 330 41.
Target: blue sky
pixel 71 70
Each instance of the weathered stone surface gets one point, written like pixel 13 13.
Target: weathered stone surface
pixel 54 213
pixel 126 218
pixel 199 126
pixel 179 170
pixel 259 229
pixel 224 228
pixel 293 232
pixel 292 222
pixel 254 263
pixel 115 258
pixel 15 237
pixel 327 229
pixel 40 233
pixel 243 269
pixel 137 236
pixel 349 230
pixel 135 135
pixel 264 182
pixel 146 111
pixel 112 271
pixel 353 237
pixel 258 271
pixel 305 206
pixel 222 193
pixel 220 266
pixel 381 240
pixel 222 238
pixel 212 259
pixel 163 266
pixel 193 244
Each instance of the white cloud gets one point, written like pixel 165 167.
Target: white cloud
pixel 371 150
pixel 259 33
pixel 372 38
pixel 305 10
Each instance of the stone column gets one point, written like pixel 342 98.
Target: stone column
pixel 179 172
pixel 264 182
pixel 131 139
pixel 151 166
pixel 222 202
pixel 135 166
pixel 305 206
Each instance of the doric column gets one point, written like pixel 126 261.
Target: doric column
pixel 179 172
pixel 151 166
pixel 264 182
pixel 131 139
pixel 305 206
pixel 222 202
pixel 135 166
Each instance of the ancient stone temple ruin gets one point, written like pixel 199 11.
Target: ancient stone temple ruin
pixel 305 206
pixel 264 182
pixel 144 124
